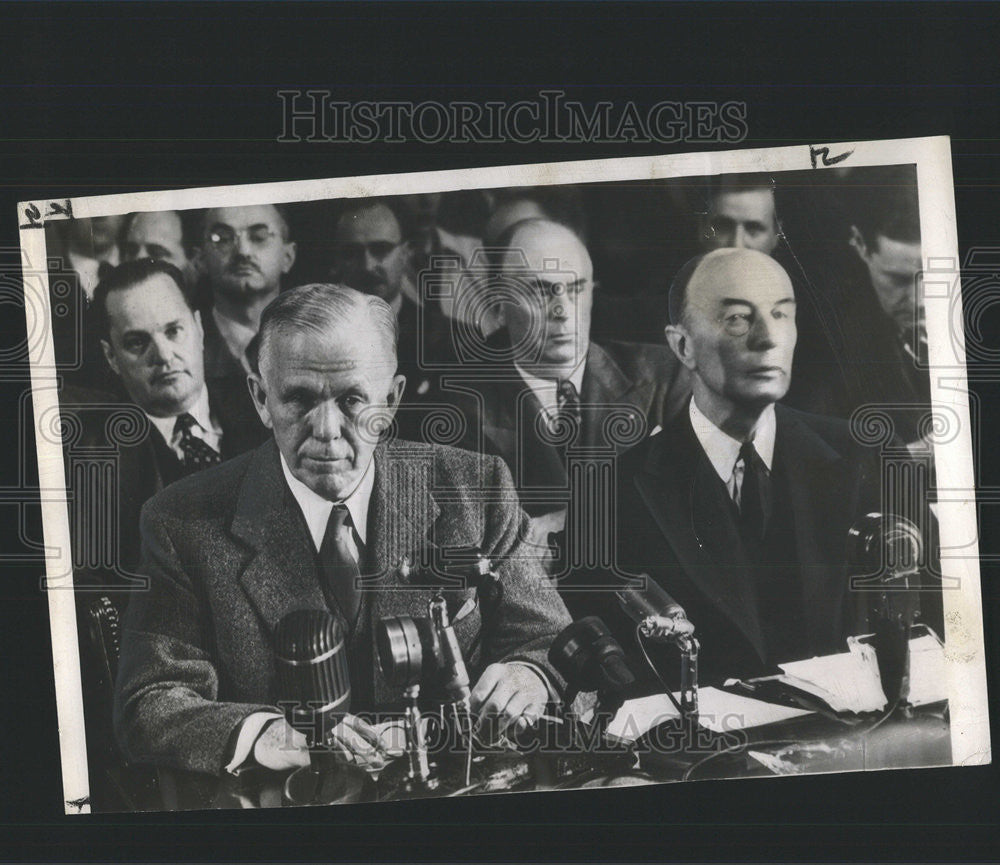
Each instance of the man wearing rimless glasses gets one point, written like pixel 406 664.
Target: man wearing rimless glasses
pixel 740 508
pixel 244 253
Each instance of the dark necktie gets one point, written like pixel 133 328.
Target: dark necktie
pixel 755 494
pixel 198 454
pixel 568 403
pixel 339 566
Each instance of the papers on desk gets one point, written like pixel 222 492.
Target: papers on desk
pixel 850 681
pixel 718 711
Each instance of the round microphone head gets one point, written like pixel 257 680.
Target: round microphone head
pixel 886 545
pixel 589 658
pixel 407 649
pixel 652 600
pixel 312 679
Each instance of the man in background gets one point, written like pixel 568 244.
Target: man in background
pixel 244 253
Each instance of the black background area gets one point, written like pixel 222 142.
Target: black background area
pixel 106 98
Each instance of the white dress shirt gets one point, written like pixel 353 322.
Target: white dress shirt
pixel 205 427
pixel 88 269
pixel 723 451
pixel 546 390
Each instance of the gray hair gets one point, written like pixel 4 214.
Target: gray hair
pixel 319 307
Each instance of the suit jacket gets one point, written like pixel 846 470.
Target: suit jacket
pixel 664 531
pixel 145 465
pixel 219 360
pixel 228 555
pixel 627 387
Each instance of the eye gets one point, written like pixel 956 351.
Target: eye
pixel 174 331
pixel 134 344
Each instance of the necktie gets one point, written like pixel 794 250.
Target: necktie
pixel 755 494
pixel 568 403
pixel 198 454
pixel 339 566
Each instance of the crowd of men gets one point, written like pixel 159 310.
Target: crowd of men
pixel 284 355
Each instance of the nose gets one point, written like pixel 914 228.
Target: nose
pixel 327 421
pixel 371 262
pixel 761 335
pixel 242 243
pixel 159 351
pixel 558 305
pixel 740 237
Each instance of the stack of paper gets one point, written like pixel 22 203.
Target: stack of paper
pixel 718 711
pixel 848 682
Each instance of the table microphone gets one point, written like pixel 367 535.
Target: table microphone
pixel 658 615
pixel 312 675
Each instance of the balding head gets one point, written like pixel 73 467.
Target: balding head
pixel 733 314
pixel 548 274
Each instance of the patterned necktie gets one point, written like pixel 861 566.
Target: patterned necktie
pixel 339 566
pixel 198 454
pixel 755 494
pixel 568 403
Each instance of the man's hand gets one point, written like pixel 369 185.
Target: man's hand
pixel 358 743
pixel 281 747
pixel 507 695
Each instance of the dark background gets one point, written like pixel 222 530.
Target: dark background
pixel 103 98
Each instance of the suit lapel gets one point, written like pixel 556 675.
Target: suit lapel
pixel 820 492
pixel 281 574
pixel 603 393
pixel 668 485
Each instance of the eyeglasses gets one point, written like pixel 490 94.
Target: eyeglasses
pixel 224 238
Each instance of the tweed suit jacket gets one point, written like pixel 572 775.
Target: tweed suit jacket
pixel 228 555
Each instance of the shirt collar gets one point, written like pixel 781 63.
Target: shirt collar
pixel 723 450
pixel 316 509
pixel 200 411
pixel 549 386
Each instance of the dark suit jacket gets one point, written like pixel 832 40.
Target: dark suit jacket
pixel 662 531
pixel 219 360
pixel 627 387
pixel 145 463
pixel 228 555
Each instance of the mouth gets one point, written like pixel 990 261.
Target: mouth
pixel 326 463
pixel 168 377
pixel 766 372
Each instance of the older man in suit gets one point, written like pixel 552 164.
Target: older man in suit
pixel 542 395
pixel 231 551
pixel 740 508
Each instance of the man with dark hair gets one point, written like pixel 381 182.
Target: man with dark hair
pixel 542 392
pixel 740 508
pixel 296 524
pixel 151 337
pixel 163 235
pixel 243 254
pixel 741 213
pixel 372 255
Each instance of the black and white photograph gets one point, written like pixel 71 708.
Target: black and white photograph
pixel 547 478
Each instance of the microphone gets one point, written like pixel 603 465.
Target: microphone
pixel 311 671
pixel 658 616
pixel 590 659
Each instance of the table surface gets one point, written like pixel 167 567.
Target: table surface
pixel 805 745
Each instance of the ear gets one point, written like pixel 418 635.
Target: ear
pixel 109 356
pixel 289 253
pixel 680 344
pixel 395 395
pixel 858 243
pixel 259 396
